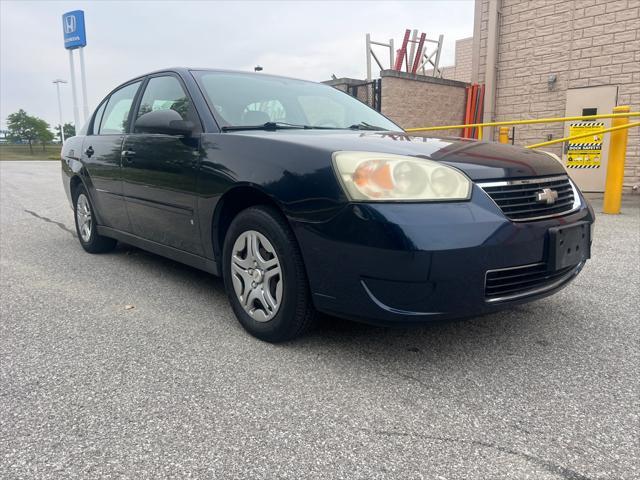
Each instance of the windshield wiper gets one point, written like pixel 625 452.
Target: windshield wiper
pixel 272 126
pixel 264 126
pixel 365 126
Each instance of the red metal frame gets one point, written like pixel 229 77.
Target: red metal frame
pixel 473 109
pixel 474 96
pixel 480 106
pixel 403 51
pixel 416 60
pixel 467 113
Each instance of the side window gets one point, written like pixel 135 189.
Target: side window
pixel 116 113
pixel 95 128
pixel 166 93
pixel 265 111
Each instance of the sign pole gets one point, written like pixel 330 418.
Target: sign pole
pixel 74 94
pixel 75 36
pixel 83 79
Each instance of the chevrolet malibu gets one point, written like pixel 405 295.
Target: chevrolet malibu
pixel 305 200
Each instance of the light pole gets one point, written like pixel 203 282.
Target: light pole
pixel 58 81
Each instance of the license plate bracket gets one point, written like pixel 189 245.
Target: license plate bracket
pixel 569 245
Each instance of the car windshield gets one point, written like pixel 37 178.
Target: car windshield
pixel 240 99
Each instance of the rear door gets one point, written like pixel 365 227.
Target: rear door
pixel 159 171
pixel 101 155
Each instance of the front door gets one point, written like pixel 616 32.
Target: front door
pixel 159 172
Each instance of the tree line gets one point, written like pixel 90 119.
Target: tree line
pixel 25 128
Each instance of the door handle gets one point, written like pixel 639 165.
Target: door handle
pixel 89 151
pixel 128 155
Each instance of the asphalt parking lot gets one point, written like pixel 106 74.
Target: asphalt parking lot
pixel 175 388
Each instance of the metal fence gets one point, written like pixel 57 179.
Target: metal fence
pixel 369 93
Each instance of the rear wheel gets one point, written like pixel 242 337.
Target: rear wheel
pixel 264 276
pixel 86 227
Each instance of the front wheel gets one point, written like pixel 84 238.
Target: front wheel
pixel 264 276
pixel 86 227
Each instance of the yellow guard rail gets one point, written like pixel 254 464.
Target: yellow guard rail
pixel 617 145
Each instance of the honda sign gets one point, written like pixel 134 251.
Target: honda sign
pixel 73 29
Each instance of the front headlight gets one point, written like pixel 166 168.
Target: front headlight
pixel 383 177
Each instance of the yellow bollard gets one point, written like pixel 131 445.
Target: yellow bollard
pixel 479 133
pixel 504 135
pixel 615 167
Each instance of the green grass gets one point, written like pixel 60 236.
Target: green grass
pixel 21 152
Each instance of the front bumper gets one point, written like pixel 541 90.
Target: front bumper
pixel 417 262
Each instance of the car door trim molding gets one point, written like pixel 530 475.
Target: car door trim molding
pixel 162 205
pixel 102 190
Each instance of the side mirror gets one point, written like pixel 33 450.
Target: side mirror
pixel 168 122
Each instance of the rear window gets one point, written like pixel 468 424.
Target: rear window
pixel 116 114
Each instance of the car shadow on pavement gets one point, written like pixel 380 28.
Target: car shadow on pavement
pixel 515 325
pixel 443 338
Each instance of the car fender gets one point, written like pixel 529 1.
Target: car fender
pixel 213 215
pixel 73 167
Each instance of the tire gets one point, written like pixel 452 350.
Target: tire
pixel 86 226
pixel 279 308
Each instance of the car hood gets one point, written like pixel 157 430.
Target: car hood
pixel 478 160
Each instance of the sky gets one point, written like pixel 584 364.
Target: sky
pixel 303 39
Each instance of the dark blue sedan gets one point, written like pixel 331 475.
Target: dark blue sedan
pixel 304 199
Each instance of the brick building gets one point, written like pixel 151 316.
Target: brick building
pixel 545 52
pixel 412 100
pixel 537 58
pixel 461 69
pixel 415 100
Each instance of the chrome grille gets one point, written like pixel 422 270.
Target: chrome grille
pixel 518 199
pixel 515 282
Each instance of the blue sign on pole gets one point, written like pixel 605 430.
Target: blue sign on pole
pixel 73 30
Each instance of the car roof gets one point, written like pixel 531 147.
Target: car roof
pixel 185 70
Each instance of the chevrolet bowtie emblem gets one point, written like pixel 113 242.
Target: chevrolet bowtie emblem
pixel 547 196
